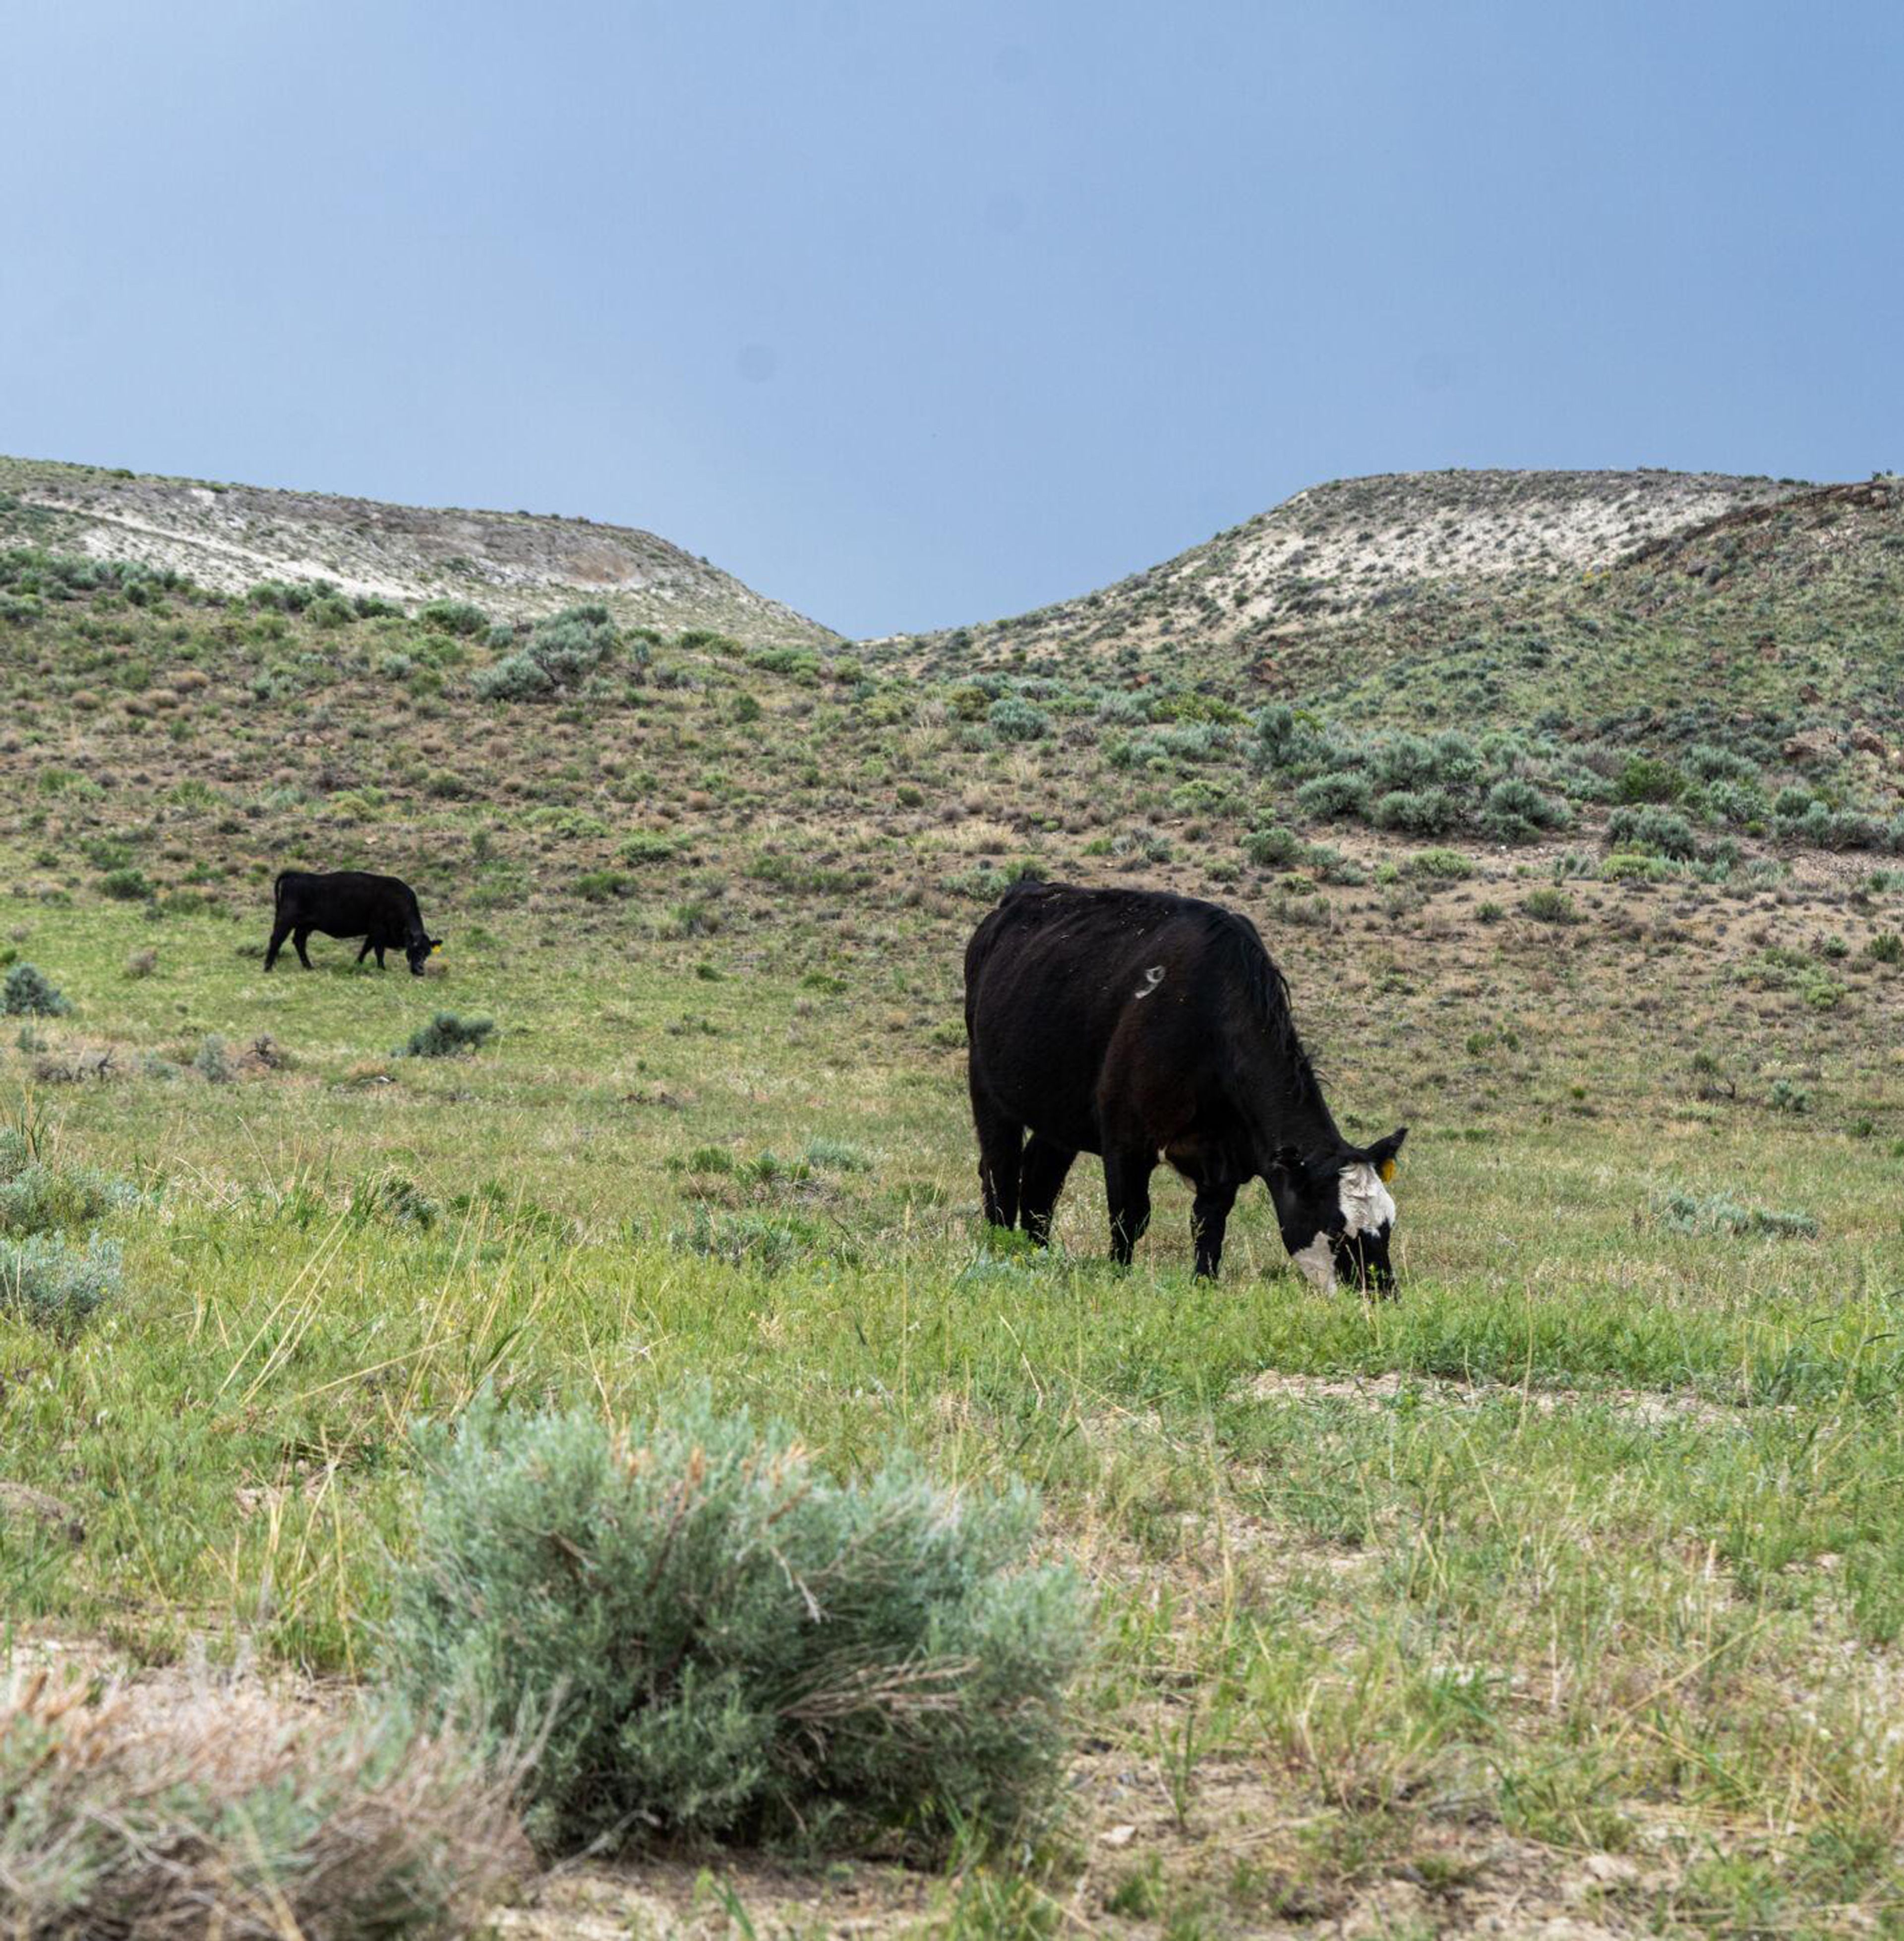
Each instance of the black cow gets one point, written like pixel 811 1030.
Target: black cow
pixel 349 903
pixel 1129 1023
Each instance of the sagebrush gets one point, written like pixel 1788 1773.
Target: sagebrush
pixel 724 1640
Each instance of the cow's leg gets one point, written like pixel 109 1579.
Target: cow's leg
pixel 380 956
pixel 1040 1180
pixel 1207 1218
pixel 279 931
pixel 1127 1184
pixel 299 938
pixel 366 952
pixel 1001 1140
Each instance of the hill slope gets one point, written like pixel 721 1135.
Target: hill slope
pixel 1356 544
pixel 229 537
pixel 1656 608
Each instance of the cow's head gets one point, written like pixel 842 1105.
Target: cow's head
pixel 420 950
pixel 1334 1210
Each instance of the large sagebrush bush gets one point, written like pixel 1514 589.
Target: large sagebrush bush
pixel 1514 810
pixel 562 652
pixel 1651 831
pixel 1339 796
pixel 720 1639
pixel 1415 811
pixel 1015 719
pixel 453 616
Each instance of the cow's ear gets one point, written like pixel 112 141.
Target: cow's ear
pixel 1381 1155
pixel 435 944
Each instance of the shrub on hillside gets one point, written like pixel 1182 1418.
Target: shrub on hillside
pixel 1273 848
pixel 1275 729
pixel 1825 827
pixel 571 643
pixel 1728 801
pixel 514 677
pixel 1549 905
pixel 27 993
pixel 1646 778
pixel 162 1811
pixel 725 1642
pixel 1406 761
pixel 1651 831
pixel 1458 761
pixel 55 1284
pixel 561 652
pixel 1338 797
pixel 1447 866
pixel 1415 811
pixel 331 612
pixel 1514 810
pixel 446 1036
pixel 1712 764
pixel 275 596
pixel 644 848
pixel 1013 719
pixel 453 616
pixel 603 886
pixel 796 662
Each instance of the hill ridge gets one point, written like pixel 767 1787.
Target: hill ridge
pixel 1342 546
pixel 521 563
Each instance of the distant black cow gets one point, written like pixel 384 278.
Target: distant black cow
pixel 1129 1023
pixel 349 903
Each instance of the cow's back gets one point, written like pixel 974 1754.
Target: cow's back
pixel 1066 989
pixel 347 902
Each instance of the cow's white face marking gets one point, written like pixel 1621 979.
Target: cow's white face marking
pixel 1316 1265
pixel 1153 978
pixel 1367 1206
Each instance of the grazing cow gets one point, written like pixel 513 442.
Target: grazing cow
pixel 349 903
pixel 1130 1023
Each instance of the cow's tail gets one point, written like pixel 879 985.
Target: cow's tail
pixel 278 887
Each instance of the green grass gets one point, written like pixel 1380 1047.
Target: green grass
pixel 1586 1545
pixel 1614 1556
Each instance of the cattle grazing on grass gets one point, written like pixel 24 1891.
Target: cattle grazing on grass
pixel 1131 1024
pixel 349 903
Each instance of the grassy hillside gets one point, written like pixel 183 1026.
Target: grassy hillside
pixel 518 563
pixel 1650 608
pixel 1566 1588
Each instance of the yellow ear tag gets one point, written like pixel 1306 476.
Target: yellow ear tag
pixel 434 949
pixel 1386 1169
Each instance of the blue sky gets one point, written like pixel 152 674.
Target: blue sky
pixel 917 313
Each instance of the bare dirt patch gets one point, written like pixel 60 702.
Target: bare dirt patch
pixel 1383 1391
